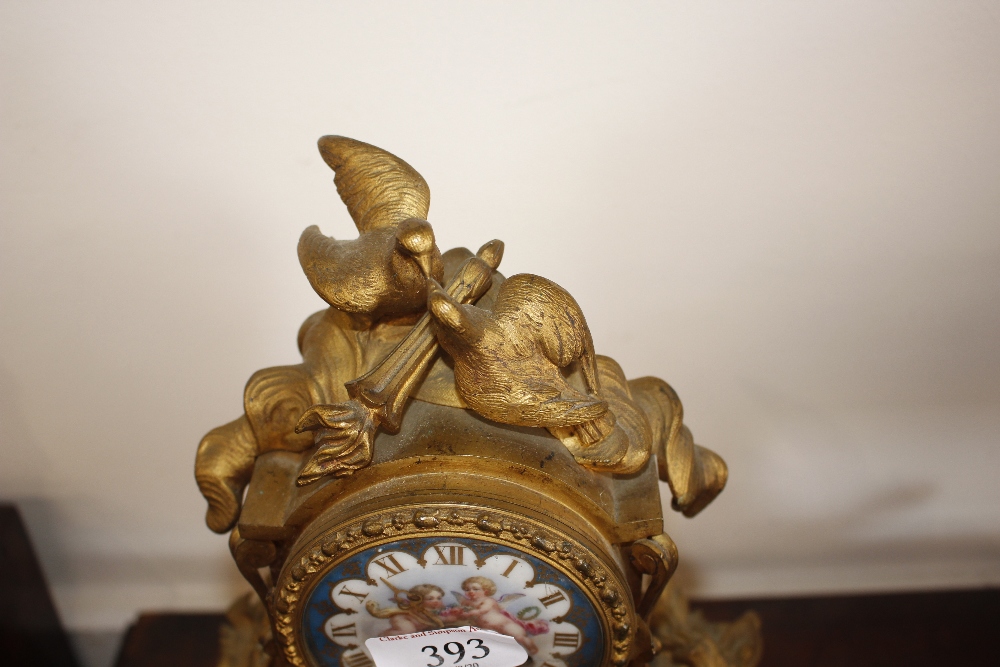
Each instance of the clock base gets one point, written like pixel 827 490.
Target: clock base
pixel 245 637
pixel 686 638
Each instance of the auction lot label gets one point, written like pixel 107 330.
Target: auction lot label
pixel 466 646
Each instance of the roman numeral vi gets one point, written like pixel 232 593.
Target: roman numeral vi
pixel 359 659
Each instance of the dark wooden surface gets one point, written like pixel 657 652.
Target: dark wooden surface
pixel 30 632
pixel 956 628
pixel 171 640
pixel 911 629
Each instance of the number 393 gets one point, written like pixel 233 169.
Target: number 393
pixel 477 652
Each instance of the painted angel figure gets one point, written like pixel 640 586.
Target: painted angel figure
pixel 481 609
pixel 418 609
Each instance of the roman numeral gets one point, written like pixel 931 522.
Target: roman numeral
pixel 359 659
pixel 510 568
pixel 453 556
pixel 350 631
pixel 347 591
pixel 570 639
pixel 390 565
pixel 550 600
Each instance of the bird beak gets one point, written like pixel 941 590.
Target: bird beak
pixel 424 261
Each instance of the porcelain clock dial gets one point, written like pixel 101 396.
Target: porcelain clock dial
pixel 426 583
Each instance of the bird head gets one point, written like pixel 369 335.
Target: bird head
pixel 415 238
pixel 444 309
pixel 458 326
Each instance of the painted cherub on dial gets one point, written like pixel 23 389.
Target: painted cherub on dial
pixel 418 609
pixel 482 610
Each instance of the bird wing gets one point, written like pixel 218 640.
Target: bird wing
pixel 557 404
pixel 378 188
pixel 351 275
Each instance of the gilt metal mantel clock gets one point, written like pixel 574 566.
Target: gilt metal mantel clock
pixel 450 452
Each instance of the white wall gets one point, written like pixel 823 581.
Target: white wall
pixel 787 210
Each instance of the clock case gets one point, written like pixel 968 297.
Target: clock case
pixel 450 473
pixel 415 412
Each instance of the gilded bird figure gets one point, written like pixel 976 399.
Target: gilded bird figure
pixel 384 271
pixel 508 360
